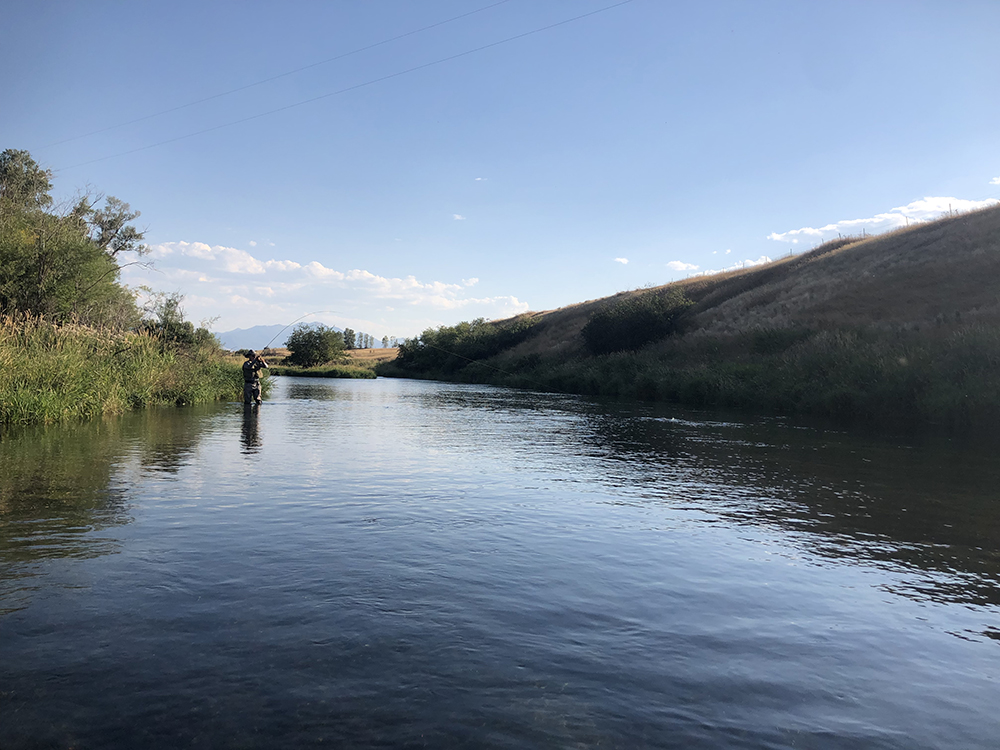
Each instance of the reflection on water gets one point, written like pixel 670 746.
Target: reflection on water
pixel 391 563
pixel 63 489
pixel 250 434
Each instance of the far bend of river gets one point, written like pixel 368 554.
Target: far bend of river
pixel 410 564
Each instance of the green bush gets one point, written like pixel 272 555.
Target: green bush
pixel 631 322
pixel 445 351
pixel 312 345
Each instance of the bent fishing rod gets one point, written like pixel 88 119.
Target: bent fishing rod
pixel 315 312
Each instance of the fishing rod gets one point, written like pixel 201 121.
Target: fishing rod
pixel 316 312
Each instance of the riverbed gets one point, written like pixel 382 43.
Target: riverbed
pixel 396 563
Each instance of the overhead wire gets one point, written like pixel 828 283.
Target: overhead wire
pixel 279 75
pixel 354 87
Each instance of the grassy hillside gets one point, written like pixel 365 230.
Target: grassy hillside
pixel 902 326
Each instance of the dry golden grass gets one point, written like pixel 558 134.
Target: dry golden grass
pixel 366 356
pixel 942 271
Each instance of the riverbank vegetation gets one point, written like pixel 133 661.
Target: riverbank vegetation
pixel 57 372
pixel 74 343
pixel 901 327
pixel 348 363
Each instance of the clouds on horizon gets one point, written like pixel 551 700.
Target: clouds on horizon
pixel 241 289
pixel 748 263
pixel 679 265
pixel 925 209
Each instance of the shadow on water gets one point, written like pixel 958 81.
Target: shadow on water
pixel 63 488
pixel 921 503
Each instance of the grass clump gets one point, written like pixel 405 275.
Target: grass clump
pixel 56 373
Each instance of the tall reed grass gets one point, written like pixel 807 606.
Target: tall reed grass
pixel 53 373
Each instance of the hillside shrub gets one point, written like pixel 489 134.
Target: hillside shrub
pixel 449 349
pixel 631 322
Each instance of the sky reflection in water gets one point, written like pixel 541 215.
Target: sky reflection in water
pixel 393 563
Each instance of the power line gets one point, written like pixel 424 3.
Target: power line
pixel 276 77
pixel 355 87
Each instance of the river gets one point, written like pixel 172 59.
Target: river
pixel 398 563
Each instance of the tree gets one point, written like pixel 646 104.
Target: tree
pixel 109 227
pixel 385 342
pixel 22 182
pixel 165 318
pixel 314 345
pixel 61 265
pixel 349 338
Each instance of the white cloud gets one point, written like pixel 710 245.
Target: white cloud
pixel 482 179
pixel 677 265
pixel 742 264
pixel 253 243
pixel 623 261
pixel 728 251
pixel 254 291
pixel 925 209
pixel 458 217
pixel 995 181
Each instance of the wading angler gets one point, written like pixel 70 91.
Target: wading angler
pixel 251 377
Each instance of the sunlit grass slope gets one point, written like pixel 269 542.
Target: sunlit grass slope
pixel 902 326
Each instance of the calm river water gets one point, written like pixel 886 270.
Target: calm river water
pixel 409 564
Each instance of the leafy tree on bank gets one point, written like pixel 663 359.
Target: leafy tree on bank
pixel 350 338
pixel 23 183
pixel 62 266
pixel 165 318
pixel 314 345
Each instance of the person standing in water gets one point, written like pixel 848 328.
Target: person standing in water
pixel 251 377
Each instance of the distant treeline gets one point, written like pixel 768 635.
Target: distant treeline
pixel 73 340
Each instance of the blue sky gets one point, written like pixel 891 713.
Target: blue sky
pixel 679 137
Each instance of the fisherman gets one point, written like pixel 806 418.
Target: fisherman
pixel 251 377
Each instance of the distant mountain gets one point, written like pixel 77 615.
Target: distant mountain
pixel 253 338
pixel 259 336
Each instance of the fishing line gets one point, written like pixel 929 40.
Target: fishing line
pixel 279 75
pixel 355 87
pixel 317 312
